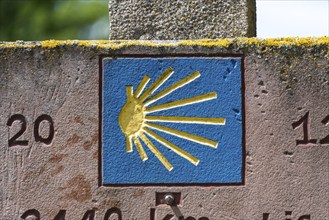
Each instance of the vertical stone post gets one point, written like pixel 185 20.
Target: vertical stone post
pixel 179 20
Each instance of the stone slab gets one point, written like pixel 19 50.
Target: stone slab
pixel 179 20
pixel 56 172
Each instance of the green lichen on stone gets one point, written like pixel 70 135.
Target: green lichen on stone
pixel 226 43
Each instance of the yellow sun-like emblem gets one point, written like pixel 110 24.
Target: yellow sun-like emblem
pixel 135 123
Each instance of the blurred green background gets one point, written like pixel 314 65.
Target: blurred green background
pixel 33 20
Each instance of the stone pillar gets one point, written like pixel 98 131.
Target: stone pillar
pixel 182 19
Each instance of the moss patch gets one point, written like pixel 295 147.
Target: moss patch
pixel 219 43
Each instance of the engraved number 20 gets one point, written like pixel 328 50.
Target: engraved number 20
pixel 13 141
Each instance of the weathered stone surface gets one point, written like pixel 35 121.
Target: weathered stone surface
pixel 284 80
pixel 178 20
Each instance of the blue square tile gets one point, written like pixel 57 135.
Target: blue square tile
pixel 172 121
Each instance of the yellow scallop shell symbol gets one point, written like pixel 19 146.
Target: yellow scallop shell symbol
pixel 135 123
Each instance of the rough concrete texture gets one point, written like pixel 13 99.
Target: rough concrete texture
pixel 177 20
pixel 284 80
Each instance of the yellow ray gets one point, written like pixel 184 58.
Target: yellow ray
pixel 140 148
pixel 182 102
pixel 141 86
pixel 129 146
pixel 156 152
pixel 181 134
pixel 172 147
pixel 172 88
pixel 162 78
pixel 187 120
pixel 129 91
